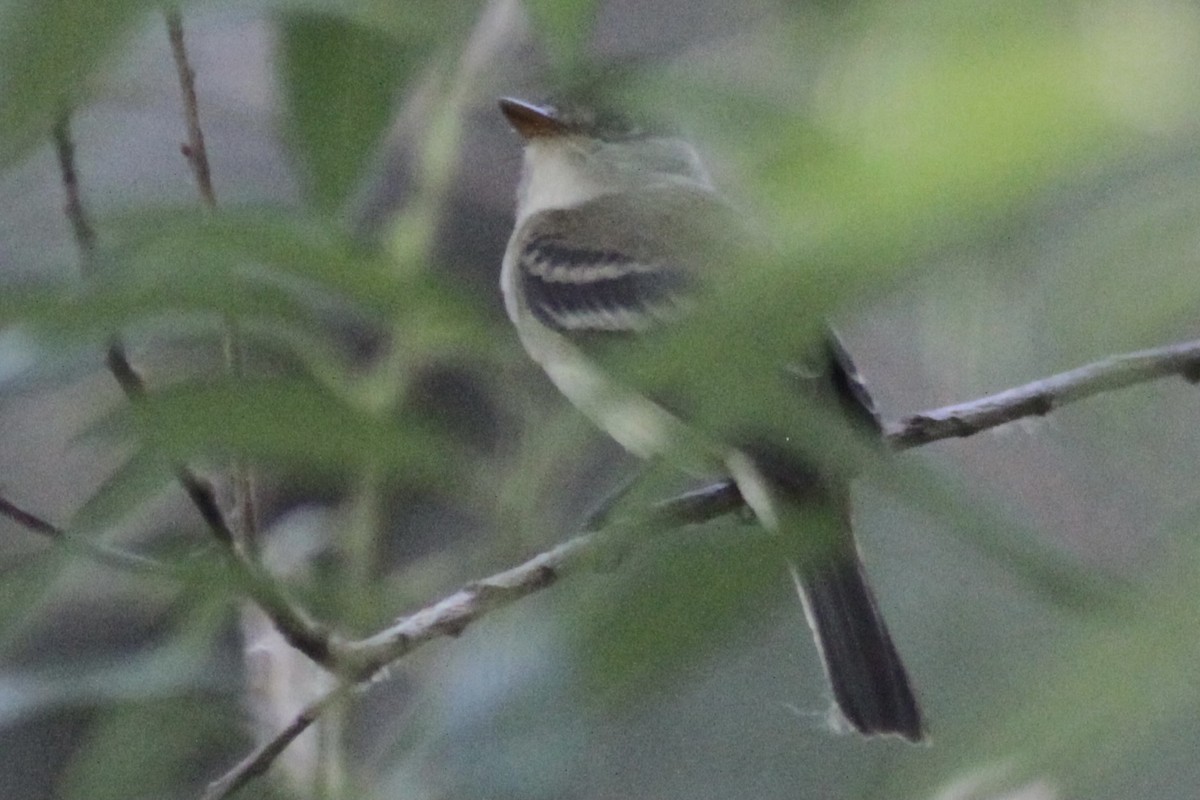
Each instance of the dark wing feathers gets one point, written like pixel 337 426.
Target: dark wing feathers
pixel 656 249
pixel 580 289
pixel 852 392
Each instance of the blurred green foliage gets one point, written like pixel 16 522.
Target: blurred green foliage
pixel 883 150
pixel 341 82
pixel 48 54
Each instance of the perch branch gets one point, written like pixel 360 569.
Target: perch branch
pixel 1040 397
pixel 451 616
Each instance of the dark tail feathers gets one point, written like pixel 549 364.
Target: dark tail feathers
pixel 869 683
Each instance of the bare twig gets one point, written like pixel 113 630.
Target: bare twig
pixel 30 521
pixel 1043 396
pixel 85 234
pixel 452 615
pixel 302 632
pixel 263 756
pixel 361 661
pixel 194 151
pixel 109 556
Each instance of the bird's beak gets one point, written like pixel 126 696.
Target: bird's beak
pixel 532 121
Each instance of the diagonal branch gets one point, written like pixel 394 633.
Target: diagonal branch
pixel 109 556
pixel 260 760
pixel 363 660
pixel 1043 396
pixel 300 630
pixel 451 616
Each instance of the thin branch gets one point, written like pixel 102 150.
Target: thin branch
pixel 451 616
pixel 363 660
pixel 1043 396
pixel 263 756
pixel 31 521
pixel 85 234
pixel 194 151
pixel 109 556
pixel 302 632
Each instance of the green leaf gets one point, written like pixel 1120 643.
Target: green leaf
pixel 142 675
pixel 281 421
pixel 151 745
pixel 418 24
pixel 142 477
pixel 280 275
pixel 177 242
pixel 29 586
pixel 672 606
pixel 49 49
pixel 271 264
pixel 340 83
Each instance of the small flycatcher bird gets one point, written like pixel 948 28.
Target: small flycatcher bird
pixel 616 235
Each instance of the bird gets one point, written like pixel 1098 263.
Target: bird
pixel 619 234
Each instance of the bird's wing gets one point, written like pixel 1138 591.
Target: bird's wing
pixel 850 387
pixel 657 249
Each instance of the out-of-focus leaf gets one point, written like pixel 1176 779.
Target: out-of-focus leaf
pixel 99 309
pixel 308 259
pixel 419 25
pixel 676 604
pixel 306 247
pixel 145 745
pixel 340 82
pixel 725 369
pixel 565 25
pixel 926 125
pixel 48 51
pixel 140 478
pixel 139 700
pixel 291 422
pixel 262 267
pixel 930 150
pixel 25 588
pixel 136 676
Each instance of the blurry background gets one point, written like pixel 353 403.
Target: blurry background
pixel 979 195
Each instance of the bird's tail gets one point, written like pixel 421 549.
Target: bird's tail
pixel 870 686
